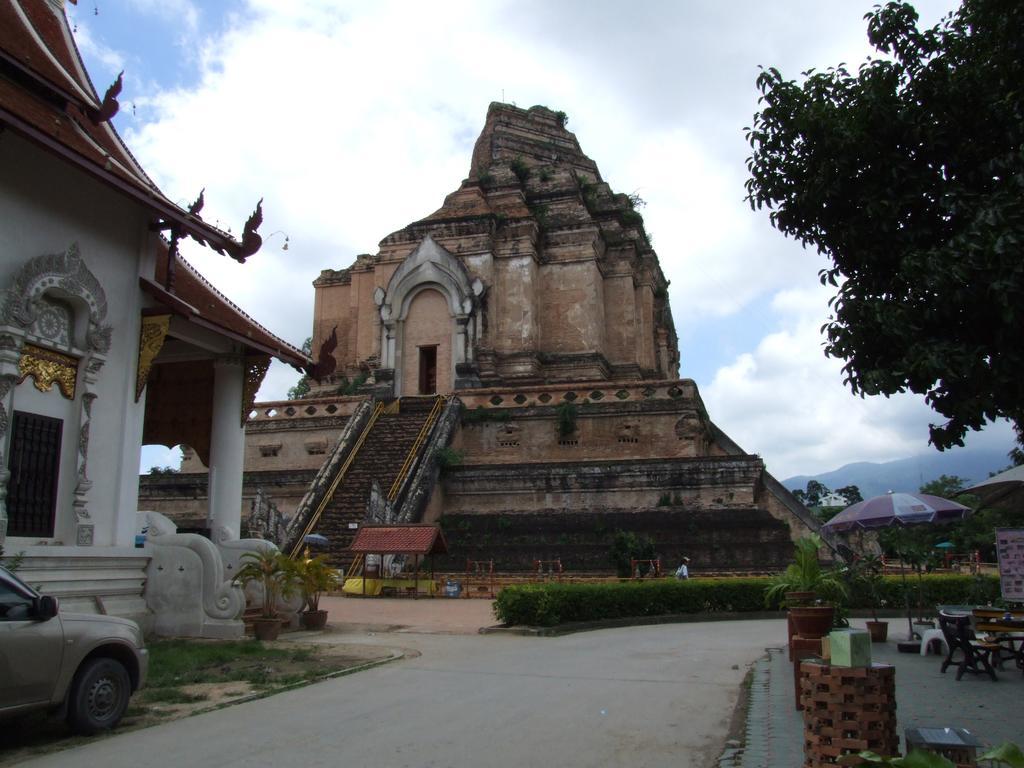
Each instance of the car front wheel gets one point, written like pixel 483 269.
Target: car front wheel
pixel 99 696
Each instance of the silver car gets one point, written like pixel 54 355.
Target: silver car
pixel 84 666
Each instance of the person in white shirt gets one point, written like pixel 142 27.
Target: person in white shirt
pixel 683 571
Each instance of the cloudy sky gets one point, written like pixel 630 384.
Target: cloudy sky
pixel 353 119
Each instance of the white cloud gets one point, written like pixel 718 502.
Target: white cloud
pixel 354 119
pixel 787 402
pixel 160 457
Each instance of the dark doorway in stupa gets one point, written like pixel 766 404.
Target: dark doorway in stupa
pixel 428 370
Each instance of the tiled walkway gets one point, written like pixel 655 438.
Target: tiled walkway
pixel 924 697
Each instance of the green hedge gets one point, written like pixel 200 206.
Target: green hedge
pixel 550 604
pixel 936 589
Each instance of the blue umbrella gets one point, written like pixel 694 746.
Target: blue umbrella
pixel 945 545
pixel 315 539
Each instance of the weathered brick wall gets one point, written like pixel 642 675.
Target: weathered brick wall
pixel 183 497
pixel 620 319
pixel 513 304
pixel 615 430
pixel 572 306
pixel 714 540
pixel 710 483
pixel 566 264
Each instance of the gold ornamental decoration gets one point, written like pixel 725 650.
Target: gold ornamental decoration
pixel 47 368
pixel 152 335
pixel 255 369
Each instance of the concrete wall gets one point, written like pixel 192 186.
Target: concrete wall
pixel 108 580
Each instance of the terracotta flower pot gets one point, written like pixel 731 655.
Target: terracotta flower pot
pixel 792 599
pixel 313 619
pixel 878 630
pixel 266 629
pixel 798 598
pixel 812 621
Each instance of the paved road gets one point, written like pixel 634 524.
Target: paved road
pixel 458 617
pixel 639 696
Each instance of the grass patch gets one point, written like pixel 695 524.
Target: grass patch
pixel 182 662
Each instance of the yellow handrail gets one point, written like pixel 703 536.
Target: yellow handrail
pixel 315 517
pixel 414 451
pixel 357 561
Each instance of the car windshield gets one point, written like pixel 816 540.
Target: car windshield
pixel 17 582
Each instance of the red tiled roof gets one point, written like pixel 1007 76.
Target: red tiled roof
pixel 212 308
pixel 47 97
pixel 400 539
pixel 22 27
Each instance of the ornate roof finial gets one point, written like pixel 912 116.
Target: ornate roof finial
pixel 110 104
pixel 197 206
pixel 251 241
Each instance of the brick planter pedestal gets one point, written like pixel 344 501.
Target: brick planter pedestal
pixel 801 649
pixel 847 710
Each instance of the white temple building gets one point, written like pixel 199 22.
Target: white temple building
pixel 110 340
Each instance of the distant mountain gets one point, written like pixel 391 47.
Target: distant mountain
pixel 908 475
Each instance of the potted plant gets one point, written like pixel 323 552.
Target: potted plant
pixel 315 577
pixel 271 570
pixel 804 575
pixel 869 574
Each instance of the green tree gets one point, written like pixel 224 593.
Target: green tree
pixel 909 176
pixel 946 486
pixel 627 546
pixel 851 493
pixel 814 492
pixel 1016 454
pixel 301 388
pixel 977 531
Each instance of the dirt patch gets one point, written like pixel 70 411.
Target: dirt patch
pixel 226 677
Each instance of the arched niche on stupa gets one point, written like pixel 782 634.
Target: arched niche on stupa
pixel 429 322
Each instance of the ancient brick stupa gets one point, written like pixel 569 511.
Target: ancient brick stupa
pixel 533 297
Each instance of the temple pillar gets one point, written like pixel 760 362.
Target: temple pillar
pixel 10 354
pixel 227 446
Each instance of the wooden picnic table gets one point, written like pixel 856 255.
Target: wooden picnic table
pixel 1007 631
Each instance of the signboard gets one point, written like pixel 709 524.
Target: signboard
pixel 1010 550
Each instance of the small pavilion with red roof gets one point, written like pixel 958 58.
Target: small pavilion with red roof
pixel 417 540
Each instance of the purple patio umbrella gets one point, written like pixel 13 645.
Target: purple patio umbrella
pixel 1003 490
pixel 900 509
pixel 896 509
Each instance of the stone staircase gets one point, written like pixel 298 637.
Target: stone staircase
pixel 380 458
